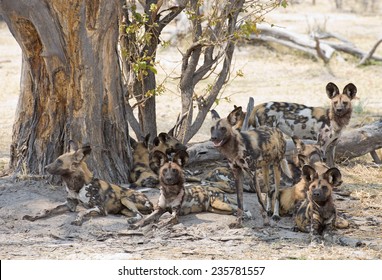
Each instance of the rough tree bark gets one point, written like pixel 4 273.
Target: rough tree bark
pixel 70 84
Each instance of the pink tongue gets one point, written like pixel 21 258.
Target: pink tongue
pixel 217 143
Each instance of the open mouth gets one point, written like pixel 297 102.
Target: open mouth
pixel 217 143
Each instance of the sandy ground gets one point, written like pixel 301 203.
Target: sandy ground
pixel 270 73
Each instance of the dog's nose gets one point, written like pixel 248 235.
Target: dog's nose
pixel 316 193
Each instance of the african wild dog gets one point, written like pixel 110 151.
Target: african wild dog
pixel 291 197
pixel 167 144
pixel 317 214
pixel 323 125
pixel 180 200
pixel 141 174
pixel 310 154
pixel 245 151
pixel 99 197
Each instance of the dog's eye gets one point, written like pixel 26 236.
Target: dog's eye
pixel 224 129
pixel 324 188
pixel 345 103
pixel 173 171
pixel 313 187
pixel 335 103
pixel 165 170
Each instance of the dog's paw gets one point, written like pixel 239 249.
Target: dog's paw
pixel 316 241
pixel 276 218
pixel 269 213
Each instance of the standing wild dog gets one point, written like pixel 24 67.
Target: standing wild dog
pixel 178 199
pixel 317 214
pixel 263 147
pixel 99 197
pixel 323 125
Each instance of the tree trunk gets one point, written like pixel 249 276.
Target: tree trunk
pixel 70 84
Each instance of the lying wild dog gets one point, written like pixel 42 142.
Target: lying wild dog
pixel 245 151
pixel 310 154
pixel 167 144
pixel 323 125
pixel 306 161
pixel 141 174
pixel 317 214
pixel 99 197
pixel 291 197
pixel 180 200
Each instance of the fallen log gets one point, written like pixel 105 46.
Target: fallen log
pixel 313 45
pixel 355 142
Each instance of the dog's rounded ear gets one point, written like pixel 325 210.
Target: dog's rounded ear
pixel 146 140
pixel 235 115
pixel 157 160
pixel 215 116
pixel 333 176
pixel 350 90
pixel 81 153
pixel 156 141
pixel 332 90
pixel 72 146
pixel 181 158
pixel 163 136
pixel 309 173
pixel 133 143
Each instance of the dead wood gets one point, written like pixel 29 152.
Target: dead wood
pixel 313 45
pixel 369 55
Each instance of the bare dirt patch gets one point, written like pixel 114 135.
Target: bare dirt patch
pixel 282 75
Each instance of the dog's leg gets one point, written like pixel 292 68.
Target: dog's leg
pixel 153 217
pixel 131 210
pixel 265 170
pixel 80 217
pixel 221 205
pixel 315 228
pixel 277 175
pixel 69 206
pixel 238 174
pixel 174 219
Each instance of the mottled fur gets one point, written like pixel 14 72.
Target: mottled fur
pixel 317 214
pixel 167 144
pixel 323 125
pixel 261 147
pixel 291 197
pixel 99 197
pixel 180 200
pixel 141 174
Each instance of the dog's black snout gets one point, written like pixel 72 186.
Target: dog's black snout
pixel 316 193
